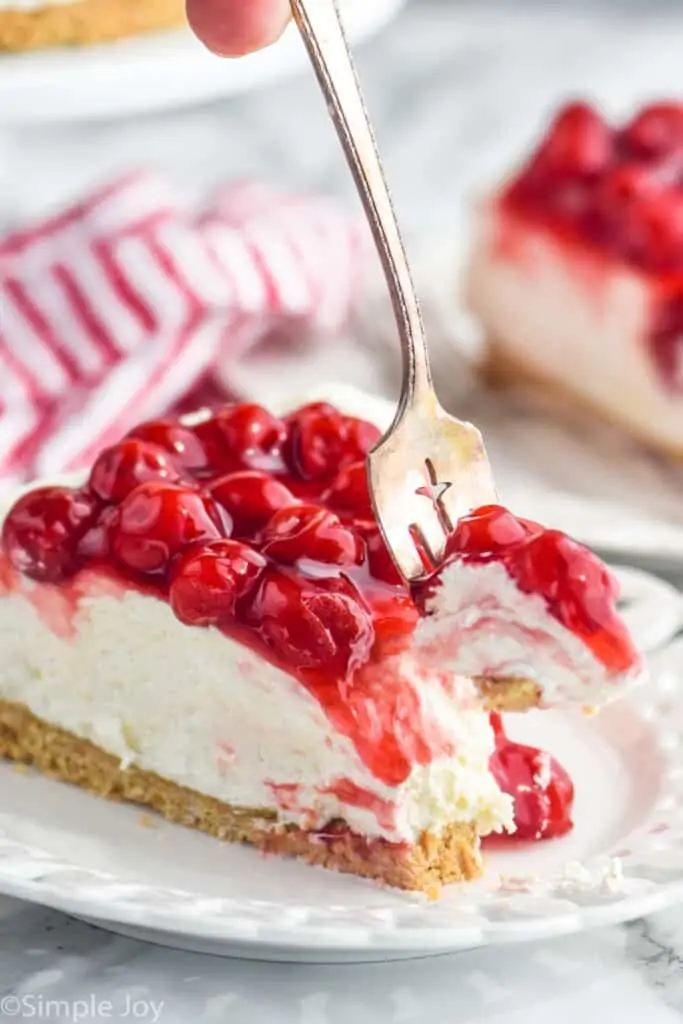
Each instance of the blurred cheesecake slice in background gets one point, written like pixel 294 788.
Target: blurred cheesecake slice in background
pixel 577 270
pixel 32 24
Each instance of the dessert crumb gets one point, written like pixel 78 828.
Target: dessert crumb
pixel 576 872
pixel 147 821
pixel 517 883
pixel 613 875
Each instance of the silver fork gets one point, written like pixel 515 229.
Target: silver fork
pixel 430 468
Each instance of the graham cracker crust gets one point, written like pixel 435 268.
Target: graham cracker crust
pixel 85 22
pixel 501 371
pixel 431 862
pixel 509 694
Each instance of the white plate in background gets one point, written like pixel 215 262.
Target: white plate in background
pixel 154 72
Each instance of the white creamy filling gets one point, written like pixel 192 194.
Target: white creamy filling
pixel 207 713
pixel 581 323
pixel 481 623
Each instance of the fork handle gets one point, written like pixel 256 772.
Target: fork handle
pixel 323 33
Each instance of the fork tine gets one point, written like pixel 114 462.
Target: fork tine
pixel 426 473
pixel 472 486
pixel 428 555
pixel 413 552
pixel 412 525
pixel 430 533
pixel 438 489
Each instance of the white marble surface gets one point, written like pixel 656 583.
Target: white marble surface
pixel 456 87
pixel 55 968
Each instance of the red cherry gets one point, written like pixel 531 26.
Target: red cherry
pixel 309 629
pixel 308 531
pixel 350 491
pixel 249 428
pixel 206 582
pixel 380 562
pixel 486 534
pixel 657 232
pixel 219 458
pixel 578 144
pixel 314 441
pixel 643 219
pixel 579 590
pixel 541 789
pixel 544 565
pixel 42 530
pixel 251 498
pixel 121 468
pixel 95 543
pixel 237 437
pixel 360 437
pixel 621 191
pixel 181 441
pixel 321 441
pixel 656 130
pixel 157 521
pixel 343 627
pixel 530 525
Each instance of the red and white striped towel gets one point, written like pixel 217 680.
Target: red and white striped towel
pixel 114 310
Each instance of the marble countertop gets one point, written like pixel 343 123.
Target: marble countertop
pixel 455 87
pixel 54 968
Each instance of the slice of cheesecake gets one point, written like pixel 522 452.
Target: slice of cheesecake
pixel 577 269
pixel 211 625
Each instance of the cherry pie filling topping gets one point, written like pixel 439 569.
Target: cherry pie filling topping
pixel 619 192
pixel 577 588
pixel 541 789
pixel 263 528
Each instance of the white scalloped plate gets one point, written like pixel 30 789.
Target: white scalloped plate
pixel 138 875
